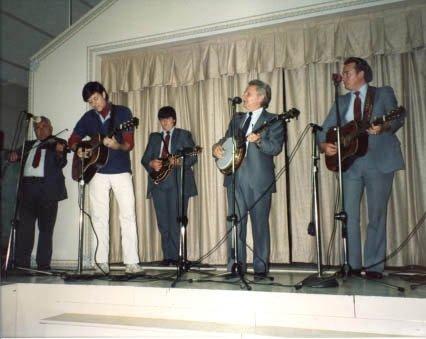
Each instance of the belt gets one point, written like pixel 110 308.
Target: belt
pixel 29 180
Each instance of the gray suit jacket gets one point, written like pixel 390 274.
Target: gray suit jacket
pixel 180 139
pixel 384 148
pixel 257 169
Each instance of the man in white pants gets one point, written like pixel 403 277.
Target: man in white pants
pixel 103 118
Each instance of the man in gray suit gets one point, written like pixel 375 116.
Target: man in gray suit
pixel 255 179
pixel 166 194
pixel 374 171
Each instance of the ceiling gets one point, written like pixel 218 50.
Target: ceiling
pixel 28 25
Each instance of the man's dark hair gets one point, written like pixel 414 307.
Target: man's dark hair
pixel 263 89
pixel 93 87
pixel 166 112
pixel 361 65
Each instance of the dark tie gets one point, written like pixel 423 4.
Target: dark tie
pixel 246 125
pixel 165 152
pixel 357 107
pixel 37 157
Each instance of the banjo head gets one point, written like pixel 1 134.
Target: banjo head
pixel 224 164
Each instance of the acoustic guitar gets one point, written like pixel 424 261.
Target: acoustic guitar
pixel 354 139
pixel 98 153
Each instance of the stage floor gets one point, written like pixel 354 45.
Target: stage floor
pixel 285 280
pixel 39 305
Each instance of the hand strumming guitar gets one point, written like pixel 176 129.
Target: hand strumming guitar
pixel 328 148
pixel 156 164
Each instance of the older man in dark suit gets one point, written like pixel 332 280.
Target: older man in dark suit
pixel 255 179
pixel 43 185
pixel 374 171
pixel 166 194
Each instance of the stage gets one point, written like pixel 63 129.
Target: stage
pixel 48 306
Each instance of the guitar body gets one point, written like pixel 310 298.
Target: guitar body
pixel 354 144
pixel 167 165
pixel 163 173
pixel 89 166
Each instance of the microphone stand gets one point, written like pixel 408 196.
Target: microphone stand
pixel 11 245
pixel 236 268
pixel 318 279
pixel 341 215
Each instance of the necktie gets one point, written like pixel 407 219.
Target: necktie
pixel 246 125
pixel 165 152
pixel 357 107
pixel 37 157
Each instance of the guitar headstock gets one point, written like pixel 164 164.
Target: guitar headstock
pixel 134 122
pixel 395 113
pixel 292 113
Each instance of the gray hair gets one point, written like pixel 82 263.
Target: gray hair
pixel 264 89
pixel 42 119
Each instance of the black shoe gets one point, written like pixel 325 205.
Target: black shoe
pixel 43 267
pixel 165 262
pixel 355 272
pixel 373 275
pixel 260 275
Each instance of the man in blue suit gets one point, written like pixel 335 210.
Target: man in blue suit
pixel 166 194
pixel 255 179
pixel 43 185
pixel 372 172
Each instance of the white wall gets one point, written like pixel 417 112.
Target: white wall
pixel 64 66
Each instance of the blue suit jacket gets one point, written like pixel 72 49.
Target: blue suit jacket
pixel 53 187
pixel 258 169
pixel 384 148
pixel 180 139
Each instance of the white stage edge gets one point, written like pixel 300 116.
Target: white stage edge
pixel 77 309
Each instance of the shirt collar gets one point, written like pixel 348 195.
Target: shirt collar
pixel 362 91
pixel 256 113
pixel 164 133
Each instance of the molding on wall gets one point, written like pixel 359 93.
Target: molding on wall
pixel 217 28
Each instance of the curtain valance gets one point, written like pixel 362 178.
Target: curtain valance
pixel 290 45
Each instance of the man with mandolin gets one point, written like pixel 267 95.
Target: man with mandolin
pixel 371 154
pixel 255 177
pixel 163 163
pixel 106 165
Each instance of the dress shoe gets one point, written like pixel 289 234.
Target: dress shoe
pixel 355 272
pixel 165 262
pixel 43 267
pixel 373 275
pixel 260 275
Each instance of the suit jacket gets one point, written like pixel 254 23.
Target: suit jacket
pixel 180 139
pixel 384 148
pixel 258 169
pixel 53 187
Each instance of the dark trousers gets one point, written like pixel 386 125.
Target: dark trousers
pixel 34 208
pixel 259 204
pixel 167 210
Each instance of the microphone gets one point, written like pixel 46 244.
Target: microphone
pixel 35 118
pixel 235 100
pixel 337 78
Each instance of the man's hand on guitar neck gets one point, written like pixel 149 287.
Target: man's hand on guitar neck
pixel 328 148
pixel 378 129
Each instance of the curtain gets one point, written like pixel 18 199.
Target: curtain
pixel 297 60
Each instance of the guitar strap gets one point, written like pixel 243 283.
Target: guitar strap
pixel 112 121
pixel 369 102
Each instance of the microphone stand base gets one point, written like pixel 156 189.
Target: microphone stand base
pixel 316 281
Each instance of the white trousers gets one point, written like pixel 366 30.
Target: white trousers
pixel 122 186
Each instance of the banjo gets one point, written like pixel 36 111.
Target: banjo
pixel 224 164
